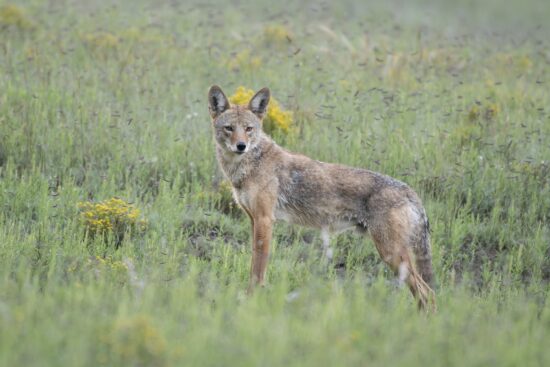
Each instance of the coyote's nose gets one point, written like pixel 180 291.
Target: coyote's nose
pixel 241 146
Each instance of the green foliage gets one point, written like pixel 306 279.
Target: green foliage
pixel 108 99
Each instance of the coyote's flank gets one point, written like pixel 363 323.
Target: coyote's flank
pixel 271 183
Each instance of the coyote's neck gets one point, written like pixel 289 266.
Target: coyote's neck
pixel 237 167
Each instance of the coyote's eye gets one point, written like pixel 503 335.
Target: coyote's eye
pixel 249 129
pixel 228 128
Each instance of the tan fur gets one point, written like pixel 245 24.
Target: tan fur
pixel 271 183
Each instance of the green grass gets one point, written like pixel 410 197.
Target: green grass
pixel 109 99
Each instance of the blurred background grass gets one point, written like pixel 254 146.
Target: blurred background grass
pixel 108 99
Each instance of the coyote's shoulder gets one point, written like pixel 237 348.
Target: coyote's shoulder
pixel 271 183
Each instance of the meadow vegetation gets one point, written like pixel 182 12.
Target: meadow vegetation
pixel 103 111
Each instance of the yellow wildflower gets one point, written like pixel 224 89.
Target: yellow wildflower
pixel 474 113
pixel 276 118
pixel 243 60
pixel 136 341
pixel 277 35
pixel 13 15
pixel 491 111
pixel 113 215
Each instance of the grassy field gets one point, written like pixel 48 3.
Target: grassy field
pixel 108 99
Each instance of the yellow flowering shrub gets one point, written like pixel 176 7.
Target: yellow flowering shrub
pixel 538 170
pixel 276 119
pixel 13 16
pixel 134 341
pixel 101 43
pixel 474 113
pixel 30 53
pixel 488 111
pixel 466 133
pixel 276 35
pixel 144 36
pixel 110 216
pixel 477 123
pixel 491 111
pixel 128 44
pixel 109 265
pixel 244 60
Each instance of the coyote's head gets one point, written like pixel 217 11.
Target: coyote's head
pixel 237 128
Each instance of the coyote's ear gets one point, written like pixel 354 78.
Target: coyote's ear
pixel 258 103
pixel 217 101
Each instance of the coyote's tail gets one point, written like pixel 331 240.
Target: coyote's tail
pixel 423 252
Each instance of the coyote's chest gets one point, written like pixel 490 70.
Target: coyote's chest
pixel 246 200
pixel 242 197
pixel 234 169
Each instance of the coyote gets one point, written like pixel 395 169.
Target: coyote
pixel 271 183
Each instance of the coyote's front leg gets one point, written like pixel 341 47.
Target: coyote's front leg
pixel 261 240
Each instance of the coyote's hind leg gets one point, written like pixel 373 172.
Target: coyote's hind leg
pixel 394 251
pixel 327 250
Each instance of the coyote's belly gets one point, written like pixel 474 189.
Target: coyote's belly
pixel 317 216
pixel 333 223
